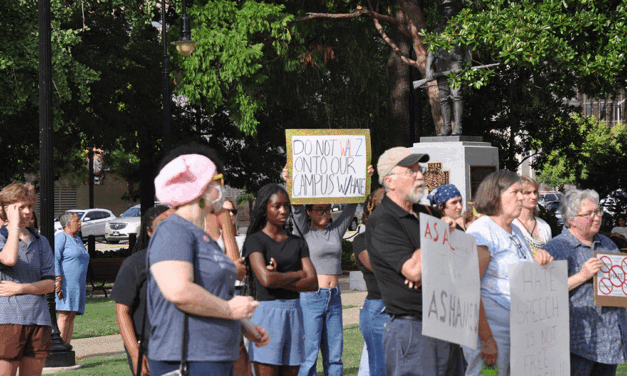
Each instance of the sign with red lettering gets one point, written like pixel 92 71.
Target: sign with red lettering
pixel 610 284
pixel 328 165
pixel 450 283
pixel 539 319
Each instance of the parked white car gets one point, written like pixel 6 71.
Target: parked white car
pixel 93 221
pixel 126 224
pixel 122 227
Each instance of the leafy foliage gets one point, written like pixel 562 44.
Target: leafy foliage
pixel 225 71
pixel 19 87
pixel 586 153
pixel 579 43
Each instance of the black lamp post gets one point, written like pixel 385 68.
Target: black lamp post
pixel 185 47
pixel 61 354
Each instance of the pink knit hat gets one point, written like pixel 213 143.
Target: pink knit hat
pixel 184 179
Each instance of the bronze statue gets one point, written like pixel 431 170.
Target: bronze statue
pixel 445 62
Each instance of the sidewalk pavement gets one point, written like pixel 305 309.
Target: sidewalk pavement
pixel 112 345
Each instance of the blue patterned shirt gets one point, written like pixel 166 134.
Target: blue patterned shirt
pixel 596 333
pixel 35 263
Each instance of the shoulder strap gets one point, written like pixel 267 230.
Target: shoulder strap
pixel 428 209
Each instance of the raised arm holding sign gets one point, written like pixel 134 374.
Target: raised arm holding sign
pixel 328 165
pixel 324 167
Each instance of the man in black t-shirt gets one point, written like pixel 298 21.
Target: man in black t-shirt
pixel 393 243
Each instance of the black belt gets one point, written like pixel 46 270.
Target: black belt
pixel 406 317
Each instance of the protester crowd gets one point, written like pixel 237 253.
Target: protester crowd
pixel 180 308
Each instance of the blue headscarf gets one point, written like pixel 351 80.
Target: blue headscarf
pixel 443 193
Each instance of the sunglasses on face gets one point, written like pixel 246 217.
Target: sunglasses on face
pixel 321 211
pixel 233 211
pixel 219 178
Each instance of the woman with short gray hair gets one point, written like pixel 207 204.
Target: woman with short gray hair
pixel 572 201
pixel 597 334
pixel 70 262
pixel 65 218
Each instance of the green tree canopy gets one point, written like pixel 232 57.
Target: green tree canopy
pixel 588 154
pixel 577 43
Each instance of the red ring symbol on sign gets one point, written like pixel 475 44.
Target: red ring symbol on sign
pixel 617 273
pixel 607 264
pixel 623 264
pixel 605 286
pixel 625 289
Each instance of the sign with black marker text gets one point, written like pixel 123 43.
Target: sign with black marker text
pixel 539 319
pixel 328 165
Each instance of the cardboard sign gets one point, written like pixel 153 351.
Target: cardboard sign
pixel 450 283
pixel 610 286
pixel 328 165
pixel 539 319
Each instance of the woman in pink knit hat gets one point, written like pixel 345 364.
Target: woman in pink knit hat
pixel 196 321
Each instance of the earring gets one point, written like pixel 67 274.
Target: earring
pixel 201 203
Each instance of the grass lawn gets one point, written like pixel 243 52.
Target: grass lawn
pixel 353 345
pixel 99 319
pixel 102 365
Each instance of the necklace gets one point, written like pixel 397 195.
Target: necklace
pixel 535 223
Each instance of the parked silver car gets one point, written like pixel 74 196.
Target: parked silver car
pixel 122 227
pixel 93 221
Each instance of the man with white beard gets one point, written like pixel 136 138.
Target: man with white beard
pixel 393 244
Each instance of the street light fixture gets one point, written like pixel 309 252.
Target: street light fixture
pixel 185 46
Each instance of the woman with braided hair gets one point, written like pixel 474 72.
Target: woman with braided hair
pixel 280 268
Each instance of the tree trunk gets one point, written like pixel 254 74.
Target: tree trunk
pixel 398 72
pixel 399 129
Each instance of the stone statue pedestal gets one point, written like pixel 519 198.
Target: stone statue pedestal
pixel 460 160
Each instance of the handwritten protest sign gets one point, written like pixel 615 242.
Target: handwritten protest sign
pixel 539 319
pixel 328 165
pixel 610 286
pixel 450 283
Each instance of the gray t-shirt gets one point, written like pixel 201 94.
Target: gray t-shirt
pixel 35 263
pixel 209 339
pixel 325 246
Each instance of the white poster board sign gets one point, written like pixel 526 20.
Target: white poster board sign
pixel 450 283
pixel 328 165
pixel 539 319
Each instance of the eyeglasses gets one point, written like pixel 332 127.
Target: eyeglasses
pixel 219 178
pixel 233 211
pixel 323 211
pixel 410 172
pixel 519 248
pixel 591 214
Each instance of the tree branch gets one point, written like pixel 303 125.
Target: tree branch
pixel 356 14
pixel 393 45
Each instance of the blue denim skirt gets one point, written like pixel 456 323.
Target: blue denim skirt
pixel 283 319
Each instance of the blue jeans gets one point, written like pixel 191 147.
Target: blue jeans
pixel 371 322
pixel 409 353
pixel 322 315
pixel 580 366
